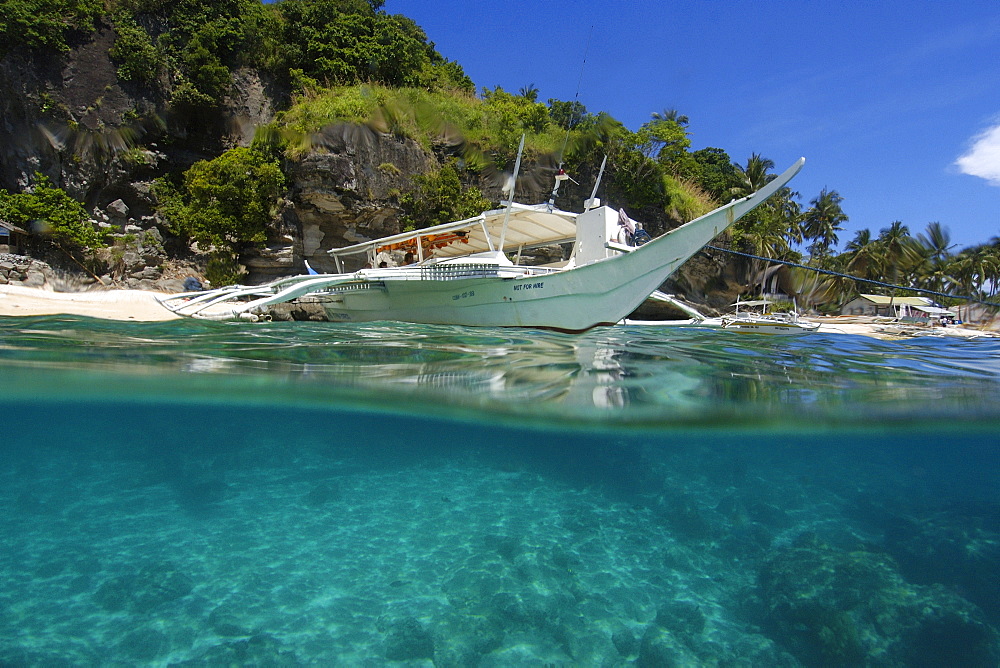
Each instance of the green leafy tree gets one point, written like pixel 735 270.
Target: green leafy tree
pixel 635 179
pixel 863 257
pixel 346 41
pixel 770 229
pixel 936 240
pixel 137 57
pixel 569 115
pixel 227 202
pixel 716 173
pixel 671 115
pixel 753 177
pixel 51 212
pixel 893 243
pixel 664 140
pixel 439 197
pixel 509 116
pixel 45 24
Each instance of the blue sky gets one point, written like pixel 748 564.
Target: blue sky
pixel 895 105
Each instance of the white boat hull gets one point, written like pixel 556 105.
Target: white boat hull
pixel 486 290
pixel 765 327
pixel 587 296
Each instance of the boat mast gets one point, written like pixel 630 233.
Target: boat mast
pixel 510 196
pixel 561 175
pixel 589 204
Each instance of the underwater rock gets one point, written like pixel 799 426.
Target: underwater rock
pixel 259 650
pixel 625 642
pixel 408 640
pixel 507 547
pixel 31 503
pixel 830 606
pixel 470 639
pixel 511 612
pixel 322 494
pixel 661 649
pixel 682 618
pixel 200 496
pixel 152 586
pixel 684 517
pixel 226 621
pixel 674 638
pixel 144 645
pixel 961 550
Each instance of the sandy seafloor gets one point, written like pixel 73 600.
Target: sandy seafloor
pixel 143 534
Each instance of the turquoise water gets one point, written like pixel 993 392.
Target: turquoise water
pixel 323 494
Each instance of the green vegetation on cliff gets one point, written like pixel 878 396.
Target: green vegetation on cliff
pixel 439 197
pixel 227 203
pixel 52 213
pixel 46 24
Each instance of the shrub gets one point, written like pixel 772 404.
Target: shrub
pixel 45 24
pixel 134 52
pixel 226 202
pixel 51 212
pixel 438 197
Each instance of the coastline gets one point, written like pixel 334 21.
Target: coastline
pixel 133 305
pixel 142 306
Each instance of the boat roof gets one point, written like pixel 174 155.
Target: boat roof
pixel 528 226
pixel 934 310
pixel 886 300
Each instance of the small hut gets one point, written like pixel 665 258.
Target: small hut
pixel 12 238
pixel 920 309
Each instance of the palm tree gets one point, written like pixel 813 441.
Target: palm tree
pixel 529 92
pixel 753 177
pixel 929 258
pixel 822 222
pixel 861 256
pixel 937 239
pixel 671 115
pixel 893 242
pixel 769 230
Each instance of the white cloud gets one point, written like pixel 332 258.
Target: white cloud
pixel 983 157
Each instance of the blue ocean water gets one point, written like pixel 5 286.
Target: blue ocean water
pixel 323 494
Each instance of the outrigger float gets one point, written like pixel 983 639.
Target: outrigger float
pixel 462 273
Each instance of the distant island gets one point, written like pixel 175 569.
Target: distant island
pixel 146 141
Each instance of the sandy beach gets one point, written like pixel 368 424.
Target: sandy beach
pixel 136 305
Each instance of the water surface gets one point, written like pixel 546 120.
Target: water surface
pixel 317 493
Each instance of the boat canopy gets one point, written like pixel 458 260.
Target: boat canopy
pixel 528 226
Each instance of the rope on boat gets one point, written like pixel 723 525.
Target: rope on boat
pixel 853 278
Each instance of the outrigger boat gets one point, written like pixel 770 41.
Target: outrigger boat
pixel 764 322
pixel 462 274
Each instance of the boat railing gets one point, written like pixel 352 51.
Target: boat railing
pixel 446 271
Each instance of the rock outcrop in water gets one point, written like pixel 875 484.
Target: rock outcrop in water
pixel 833 607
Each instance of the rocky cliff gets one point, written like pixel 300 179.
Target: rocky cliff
pixel 104 141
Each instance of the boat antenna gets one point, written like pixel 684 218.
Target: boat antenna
pixel 561 175
pixel 510 196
